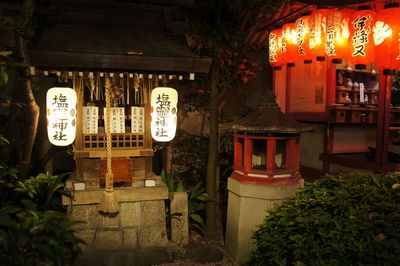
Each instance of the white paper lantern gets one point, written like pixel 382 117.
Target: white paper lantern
pixel 163 113
pixel 61 115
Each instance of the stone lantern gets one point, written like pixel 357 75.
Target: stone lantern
pixel 265 172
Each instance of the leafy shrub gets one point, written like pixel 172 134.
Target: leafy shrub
pixel 31 233
pixel 190 157
pixel 197 199
pixel 346 219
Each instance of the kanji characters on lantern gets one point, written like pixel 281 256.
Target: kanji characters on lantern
pixel 61 115
pixel 361 51
pixel 337 34
pixel 163 113
pixel 303 38
pixel 275 48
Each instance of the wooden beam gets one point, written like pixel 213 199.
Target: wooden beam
pixel 56 59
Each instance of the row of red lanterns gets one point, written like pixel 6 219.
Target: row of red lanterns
pixel 361 37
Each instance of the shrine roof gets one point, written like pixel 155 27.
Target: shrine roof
pixel 100 34
pixel 267 118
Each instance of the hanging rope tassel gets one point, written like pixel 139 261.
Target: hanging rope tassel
pixel 108 204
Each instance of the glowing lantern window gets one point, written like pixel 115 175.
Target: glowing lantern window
pixel 386 35
pixel 303 38
pixel 61 115
pixel 361 51
pixel 289 41
pixel 275 52
pixel 317 33
pixel 337 35
pixel 163 113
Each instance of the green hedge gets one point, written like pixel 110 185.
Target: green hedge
pixel 346 219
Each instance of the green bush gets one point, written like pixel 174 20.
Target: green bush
pixel 346 219
pixel 197 199
pixel 190 157
pixel 31 231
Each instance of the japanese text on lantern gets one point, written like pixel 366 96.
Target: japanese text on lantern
pixel 272 47
pixel 362 30
pixel 301 34
pixel 60 106
pixel 61 115
pixel 330 35
pixel 163 107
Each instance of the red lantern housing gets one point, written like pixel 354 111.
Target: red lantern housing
pixel 386 35
pixel 275 51
pixel 303 38
pixel 337 35
pixel 361 50
pixel 289 42
pixel 317 33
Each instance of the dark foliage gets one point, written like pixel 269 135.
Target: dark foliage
pixel 30 232
pixel 346 219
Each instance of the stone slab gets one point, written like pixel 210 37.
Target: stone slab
pixel 111 220
pixel 264 192
pixel 88 214
pixel 122 194
pixel 108 240
pixel 86 235
pixel 130 238
pixel 153 236
pixel 131 214
pixel 153 212
pixel 180 224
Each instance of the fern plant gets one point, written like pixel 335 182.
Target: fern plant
pixel 197 199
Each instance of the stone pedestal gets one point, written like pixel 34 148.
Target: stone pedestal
pixel 140 222
pixel 247 205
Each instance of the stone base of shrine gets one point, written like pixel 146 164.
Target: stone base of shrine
pixel 139 224
pixel 247 206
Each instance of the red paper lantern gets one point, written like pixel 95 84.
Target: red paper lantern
pixel 386 35
pixel 275 48
pixel 361 50
pixel 337 35
pixel 303 38
pixel 317 33
pixel 289 44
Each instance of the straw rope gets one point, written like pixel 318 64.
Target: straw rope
pixel 108 126
pixel 108 203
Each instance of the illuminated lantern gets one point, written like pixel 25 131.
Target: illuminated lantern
pixel 386 35
pixel 275 52
pixel 361 49
pixel 337 35
pixel 163 113
pixel 61 115
pixel 317 33
pixel 303 38
pixel 289 42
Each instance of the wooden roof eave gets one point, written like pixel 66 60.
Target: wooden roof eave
pixel 57 59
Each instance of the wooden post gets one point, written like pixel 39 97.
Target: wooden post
pixel 331 83
pixel 288 88
pixel 382 128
